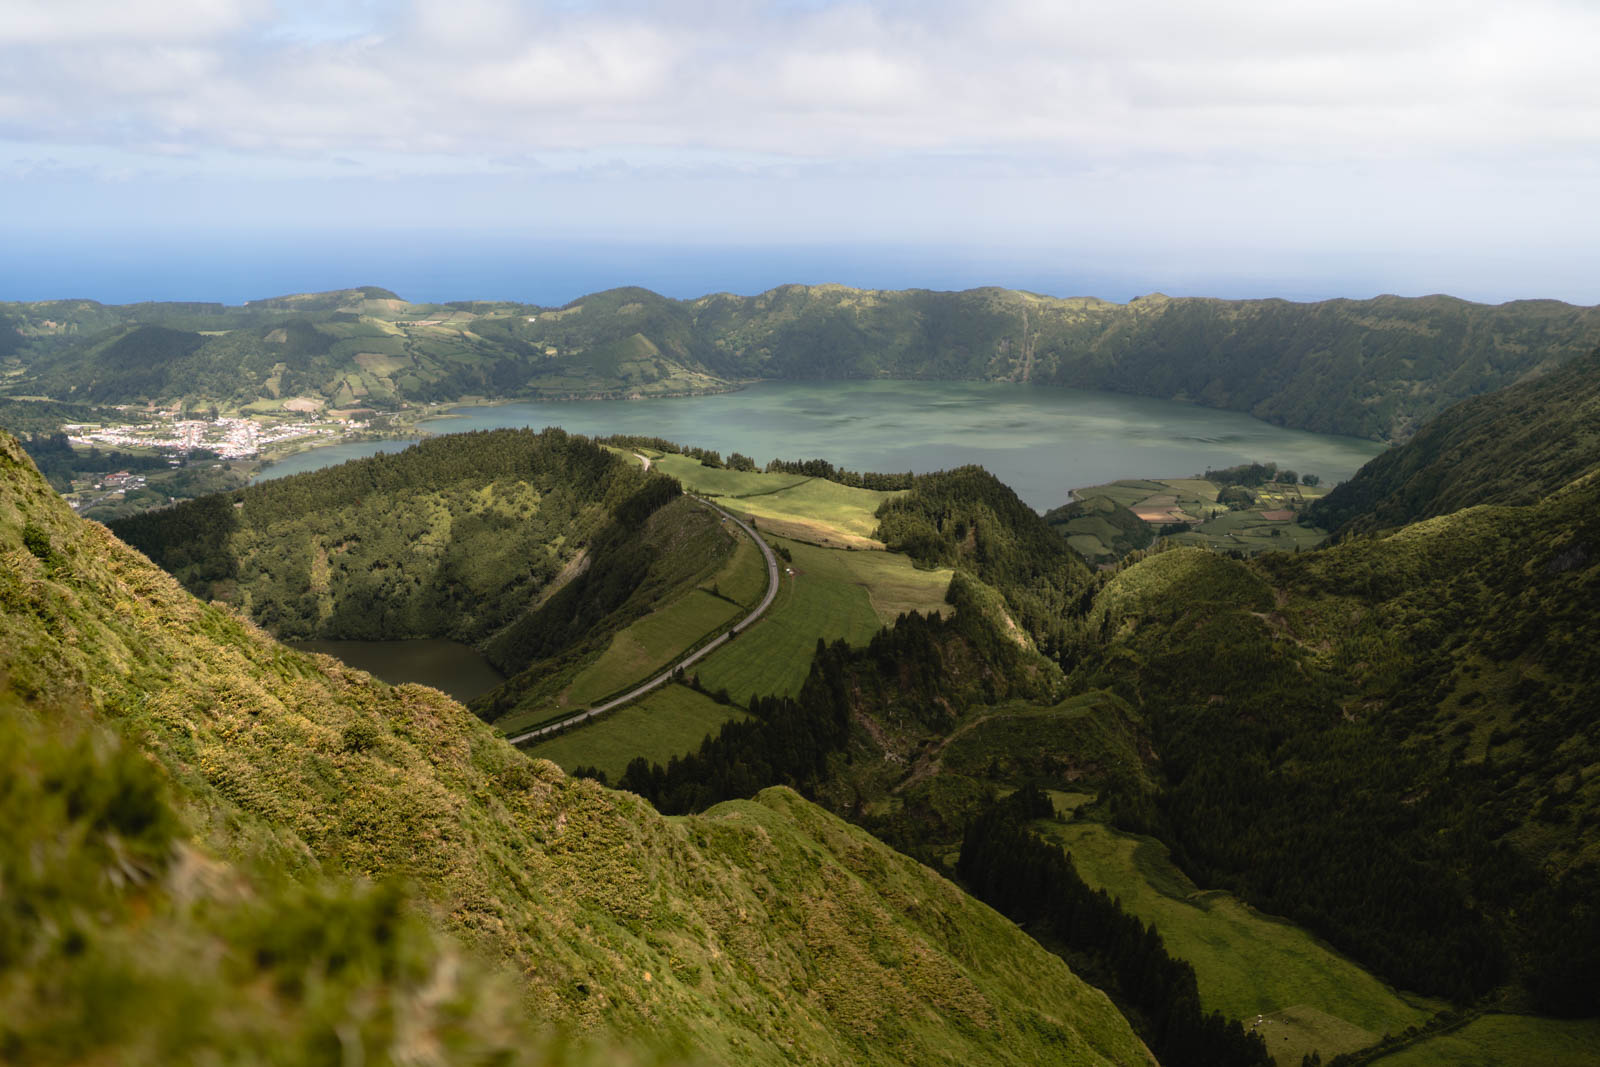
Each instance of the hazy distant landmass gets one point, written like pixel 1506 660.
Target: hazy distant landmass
pixel 1370 368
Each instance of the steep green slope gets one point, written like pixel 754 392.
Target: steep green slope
pixel 122 941
pixel 762 931
pixel 1372 368
pixel 967 519
pixel 1391 741
pixel 1511 447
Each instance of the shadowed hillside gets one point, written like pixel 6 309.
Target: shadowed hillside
pixel 1511 447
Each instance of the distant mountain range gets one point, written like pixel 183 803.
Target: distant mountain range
pixel 1369 368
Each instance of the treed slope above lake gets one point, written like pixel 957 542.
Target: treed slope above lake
pixel 1371 368
pixel 534 547
pixel 222 806
pixel 1512 447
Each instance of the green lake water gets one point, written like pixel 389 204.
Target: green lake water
pixel 1043 442
pixel 455 668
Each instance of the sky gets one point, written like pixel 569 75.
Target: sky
pixel 453 149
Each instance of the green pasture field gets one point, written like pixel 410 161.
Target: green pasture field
pixel 807 509
pixel 1497 1040
pixel 832 594
pixel 1127 492
pixel 1247 963
pixel 669 722
pixel 1249 532
pixel 743 578
pixel 718 481
pixel 649 644
pixel 1246 531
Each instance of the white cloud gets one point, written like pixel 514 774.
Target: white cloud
pixel 1359 78
pixel 1350 125
pixel 56 22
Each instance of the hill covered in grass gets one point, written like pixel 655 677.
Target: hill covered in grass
pixel 1372 368
pixel 1511 447
pixel 1390 740
pixel 456 537
pixel 285 855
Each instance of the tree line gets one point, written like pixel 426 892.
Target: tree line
pixel 1034 882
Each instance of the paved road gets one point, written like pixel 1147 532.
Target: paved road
pixel 694 657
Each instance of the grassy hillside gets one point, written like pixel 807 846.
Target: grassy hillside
pixel 1513 447
pixel 1247 964
pixel 1388 740
pixel 1372 368
pixel 1493 1040
pixel 667 723
pixel 813 510
pixel 455 537
pixel 1099 527
pixel 830 595
pixel 762 931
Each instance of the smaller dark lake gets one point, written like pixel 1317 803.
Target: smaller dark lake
pixel 455 668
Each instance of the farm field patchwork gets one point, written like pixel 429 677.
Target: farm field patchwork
pixel 669 722
pixel 1247 963
pixel 1266 525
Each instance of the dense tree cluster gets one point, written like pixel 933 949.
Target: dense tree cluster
pixel 454 537
pixel 968 519
pixel 1249 475
pixel 59 462
pixel 914 673
pixel 1034 882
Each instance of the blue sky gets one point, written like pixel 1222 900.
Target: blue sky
pixel 205 147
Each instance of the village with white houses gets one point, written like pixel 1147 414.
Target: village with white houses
pixel 157 456
pixel 229 438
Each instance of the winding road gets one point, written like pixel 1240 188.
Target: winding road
pixel 694 657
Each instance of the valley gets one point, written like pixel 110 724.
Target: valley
pixel 1279 797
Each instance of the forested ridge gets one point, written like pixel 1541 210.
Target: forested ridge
pixel 968 519
pixel 1513 447
pixel 1373 368
pixel 460 536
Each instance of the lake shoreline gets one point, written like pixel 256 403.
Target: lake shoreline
pixel 1043 442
